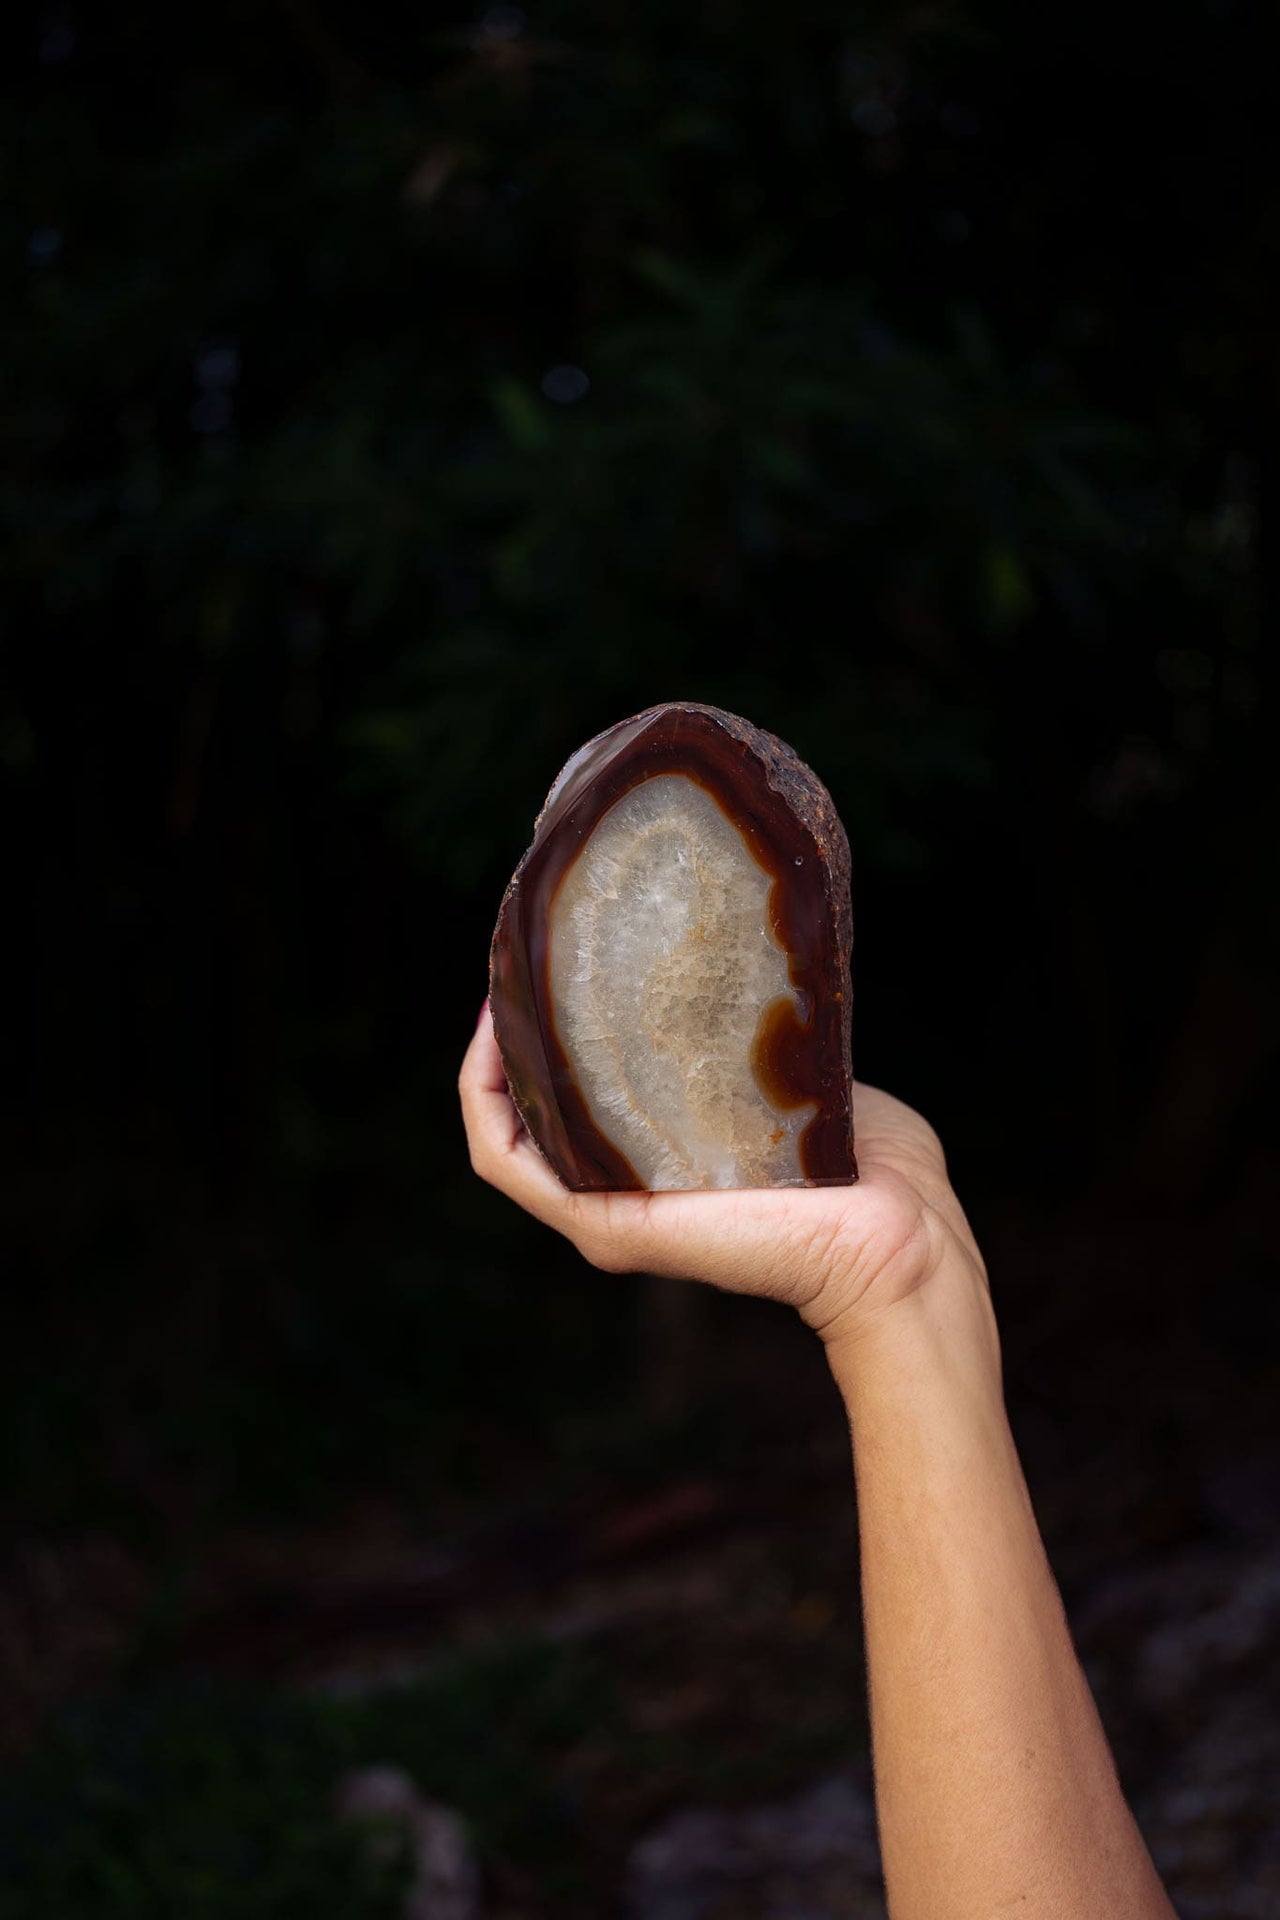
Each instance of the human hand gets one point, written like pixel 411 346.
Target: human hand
pixel 843 1256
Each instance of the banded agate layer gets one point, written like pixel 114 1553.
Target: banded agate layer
pixel 670 970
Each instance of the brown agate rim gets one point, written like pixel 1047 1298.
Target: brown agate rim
pixel 791 826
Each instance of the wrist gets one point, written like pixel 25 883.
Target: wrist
pixel 943 1331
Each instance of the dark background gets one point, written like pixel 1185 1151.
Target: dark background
pixel 390 401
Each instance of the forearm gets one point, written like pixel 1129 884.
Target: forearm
pixel 995 1786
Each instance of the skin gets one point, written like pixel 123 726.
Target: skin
pixel 995 1788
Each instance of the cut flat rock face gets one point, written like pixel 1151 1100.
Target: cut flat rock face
pixel 670 971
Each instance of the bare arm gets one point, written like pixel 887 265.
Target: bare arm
pixel 995 1787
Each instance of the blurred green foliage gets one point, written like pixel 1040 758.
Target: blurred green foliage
pixel 387 403
pixel 223 1799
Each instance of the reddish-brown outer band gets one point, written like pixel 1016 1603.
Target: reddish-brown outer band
pixel 787 817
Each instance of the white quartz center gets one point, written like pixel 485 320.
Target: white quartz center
pixel 662 963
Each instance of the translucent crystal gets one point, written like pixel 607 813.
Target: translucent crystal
pixel 670 969
pixel 663 963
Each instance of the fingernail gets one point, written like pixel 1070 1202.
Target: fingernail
pixel 484 1008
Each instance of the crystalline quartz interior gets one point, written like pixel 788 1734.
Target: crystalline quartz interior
pixel 662 964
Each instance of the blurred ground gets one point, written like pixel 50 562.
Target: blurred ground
pixel 645 1693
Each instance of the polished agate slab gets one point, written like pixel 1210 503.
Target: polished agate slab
pixel 670 969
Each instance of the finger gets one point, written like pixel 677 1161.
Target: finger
pixel 607 1228
pixel 488 1111
pixel 501 1151
pixel 702 1236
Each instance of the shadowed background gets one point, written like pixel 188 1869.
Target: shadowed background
pixel 390 402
